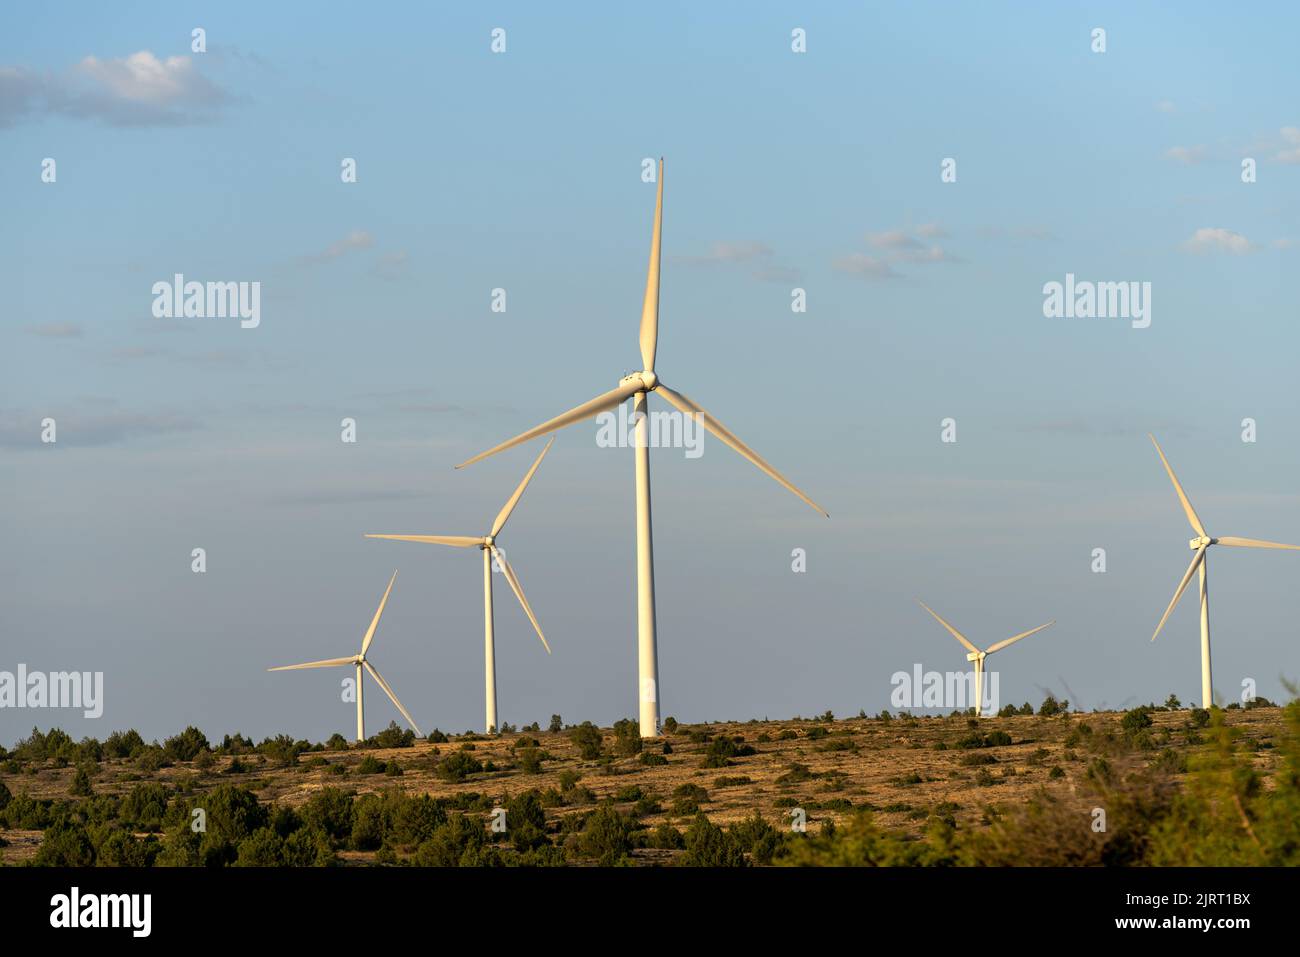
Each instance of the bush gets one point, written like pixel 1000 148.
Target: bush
pixel 670 725
pixel 627 738
pixel 186 746
pixel 81 784
pixel 650 759
pixel 556 725
pixel 707 845
pixel 392 737
pixel 587 738
pixel 436 737
pixel 330 811
pixel 1051 707
pixel 123 744
pixel 1135 720
pixel 605 836
pixel 457 766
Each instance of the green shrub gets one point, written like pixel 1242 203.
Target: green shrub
pixel 605 836
pixel 587 739
pixel 186 746
pixel 457 766
pixel 708 845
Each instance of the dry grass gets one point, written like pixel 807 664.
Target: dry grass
pixel 893 767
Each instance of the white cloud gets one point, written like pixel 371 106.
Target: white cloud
pixel 932 231
pixel 135 90
pixel 863 266
pixel 1291 152
pixel 357 239
pixel 1208 239
pixel 1166 106
pixel 729 252
pixel 894 239
pixel 56 330
pixel 1187 155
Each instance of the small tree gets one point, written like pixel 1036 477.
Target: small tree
pixel 587 738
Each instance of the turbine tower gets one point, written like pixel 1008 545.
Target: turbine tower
pixel 1200 545
pixel 487 545
pixel 638 387
pixel 360 661
pixel 976 656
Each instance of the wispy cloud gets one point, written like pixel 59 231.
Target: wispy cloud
pixel 213 357
pixel 864 267
pixel 1187 155
pixel 1211 239
pixel 394 266
pixel 1166 106
pixel 757 254
pixel 22 429
pixel 895 239
pixel 138 90
pixel 931 231
pixel 357 239
pixel 1290 153
pixel 56 330
pixel 730 252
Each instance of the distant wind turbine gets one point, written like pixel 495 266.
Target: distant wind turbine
pixel 978 656
pixel 638 386
pixel 361 662
pixel 487 544
pixel 1200 545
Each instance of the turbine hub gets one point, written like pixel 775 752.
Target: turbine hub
pixel 975 656
pixel 650 379
pixel 489 542
pixel 1196 543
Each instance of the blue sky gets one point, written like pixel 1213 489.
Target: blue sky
pixel 522 170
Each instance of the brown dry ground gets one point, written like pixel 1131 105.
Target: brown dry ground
pixel 893 767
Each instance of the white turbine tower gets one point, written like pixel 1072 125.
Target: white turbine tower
pixel 362 662
pixel 637 387
pixel 487 545
pixel 976 656
pixel 1200 545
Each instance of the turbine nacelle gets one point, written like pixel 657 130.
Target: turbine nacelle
pixel 1201 542
pixel 646 379
pixel 977 656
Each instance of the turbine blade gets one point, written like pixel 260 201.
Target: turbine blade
pixel 1182 496
pixel 722 432
pixel 519 593
pixel 459 541
pixel 327 663
pixel 955 633
pixel 504 514
pixel 379 679
pixel 601 403
pixel 650 305
pixel 374 622
pixel 1011 641
pixel 1182 586
pixel 1252 543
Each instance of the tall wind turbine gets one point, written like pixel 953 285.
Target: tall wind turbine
pixel 1200 545
pixel 362 662
pixel 487 544
pixel 977 656
pixel 638 387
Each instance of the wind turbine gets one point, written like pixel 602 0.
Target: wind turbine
pixel 1200 545
pixel 487 544
pixel 978 656
pixel 362 662
pixel 638 386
